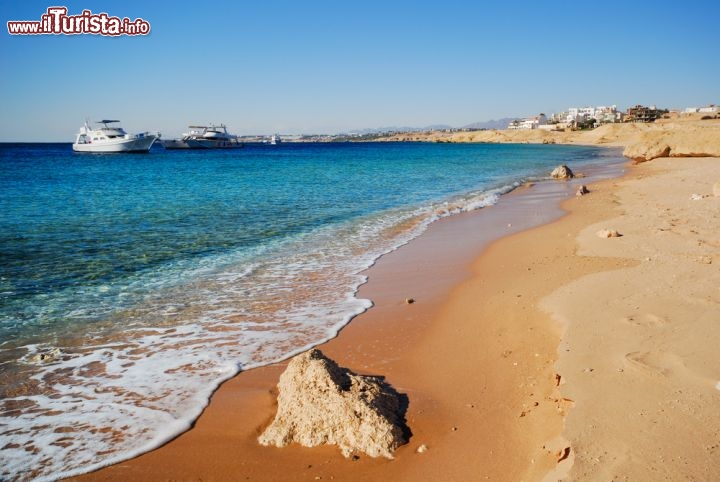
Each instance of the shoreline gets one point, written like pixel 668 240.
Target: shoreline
pixel 378 342
pixel 490 368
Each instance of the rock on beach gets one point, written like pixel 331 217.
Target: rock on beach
pixel 646 151
pixel 320 402
pixel 562 172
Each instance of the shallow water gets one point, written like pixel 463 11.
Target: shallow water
pixel 132 285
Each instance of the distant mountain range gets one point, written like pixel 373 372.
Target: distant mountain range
pixel 377 130
pixel 491 124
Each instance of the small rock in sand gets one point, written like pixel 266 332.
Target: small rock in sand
pixel 608 233
pixel 563 454
pixel 422 449
pixel 696 197
pixel 582 190
pixel 46 356
pixel 562 172
pixel 409 301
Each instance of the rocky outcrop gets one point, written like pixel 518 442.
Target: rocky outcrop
pixel 562 172
pixel 322 403
pixel 646 151
pixel 675 140
pixel 684 137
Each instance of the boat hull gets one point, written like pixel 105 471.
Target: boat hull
pixel 139 143
pixel 200 144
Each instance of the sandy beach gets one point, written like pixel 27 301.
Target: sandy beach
pixel 551 353
pixel 639 343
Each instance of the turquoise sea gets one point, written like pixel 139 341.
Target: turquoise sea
pixel 132 285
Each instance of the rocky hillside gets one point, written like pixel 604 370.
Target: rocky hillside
pixel 642 142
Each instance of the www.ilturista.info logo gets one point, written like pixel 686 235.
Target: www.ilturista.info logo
pixel 57 22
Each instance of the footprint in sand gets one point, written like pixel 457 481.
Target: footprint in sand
pixel 648 320
pixel 667 365
pixel 655 363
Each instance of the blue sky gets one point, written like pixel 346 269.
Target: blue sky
pixel 326 67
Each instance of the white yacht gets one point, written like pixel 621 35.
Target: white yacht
pixel 204 137
pixel 112 139
pixel 275 139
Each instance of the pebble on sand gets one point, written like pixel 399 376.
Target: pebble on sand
pixel 608 233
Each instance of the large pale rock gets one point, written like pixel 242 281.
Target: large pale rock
pixel 562 172
pixel 322 403
pixel 675 140
pixel 646 151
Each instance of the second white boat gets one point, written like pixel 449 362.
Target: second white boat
pixel 204 137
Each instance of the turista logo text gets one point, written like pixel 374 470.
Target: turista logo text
pixel 57 22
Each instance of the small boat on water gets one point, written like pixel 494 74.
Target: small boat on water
pixel 112 139
pixel 204 137
pixel 275 139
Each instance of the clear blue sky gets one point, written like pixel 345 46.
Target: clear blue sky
pixel 330 66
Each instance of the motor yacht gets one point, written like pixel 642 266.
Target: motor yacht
pixel 112 138
pixel 204 137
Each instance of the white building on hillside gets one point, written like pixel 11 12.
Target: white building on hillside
pixel 711 109
pixel 528 123
pixel 579 114
pixel 600 113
